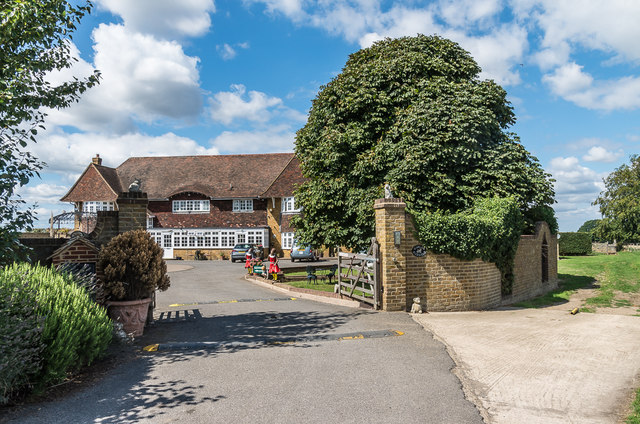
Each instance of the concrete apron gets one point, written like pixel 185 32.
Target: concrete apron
pixel 541 365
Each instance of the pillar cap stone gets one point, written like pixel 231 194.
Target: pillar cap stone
pixel 389 203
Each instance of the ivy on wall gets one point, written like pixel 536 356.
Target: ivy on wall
pixel 489 230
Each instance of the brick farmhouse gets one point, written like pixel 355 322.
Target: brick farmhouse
pixel 205 203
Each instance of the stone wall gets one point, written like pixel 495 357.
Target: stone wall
pixel 445 283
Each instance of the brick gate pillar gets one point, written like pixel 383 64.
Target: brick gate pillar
pixel 390 217
pixel 132 211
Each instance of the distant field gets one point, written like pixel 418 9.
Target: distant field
pixel 616 279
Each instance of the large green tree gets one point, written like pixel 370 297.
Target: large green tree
pixel 620 204
pixel 35 40
pixel 411 112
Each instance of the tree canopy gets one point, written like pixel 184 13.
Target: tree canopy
pixel 620 204
pixel 411 112
pixel 35 38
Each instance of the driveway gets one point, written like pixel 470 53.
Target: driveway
pixel 232 351
pixel 543 365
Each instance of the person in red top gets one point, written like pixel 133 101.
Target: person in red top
pixel 274 269
pixel 248 259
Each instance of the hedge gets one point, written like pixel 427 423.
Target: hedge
pixel 574 243
pixel 490 230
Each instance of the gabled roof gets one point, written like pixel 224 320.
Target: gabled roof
pixel 219 177
pixel 97 183
pixel 286 182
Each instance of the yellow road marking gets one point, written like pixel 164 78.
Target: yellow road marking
pixel 151 348
pixel 359 336
pixel 228 301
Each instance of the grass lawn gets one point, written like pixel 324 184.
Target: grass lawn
pixel 304 284
pixel 634 418
pixel 614 275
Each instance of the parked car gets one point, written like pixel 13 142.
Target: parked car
pixel 299 252
pixel 240 250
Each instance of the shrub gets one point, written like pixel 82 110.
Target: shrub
pixel 133 266
pixel 540 213
pixel 75 330
pixel 574 243
pixel 490 230
pixel 20 335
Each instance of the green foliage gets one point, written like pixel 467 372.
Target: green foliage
pixel 34 36
pixel 540 213
pixel 619 204
pixel 634 417
pixel 21 343
pixel 71 330
pixel 490 230
pixel 413 113
pixel 574 244
pixel 133 267
pixel 591 227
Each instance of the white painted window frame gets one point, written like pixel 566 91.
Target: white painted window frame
pixel 191 206
pixel 289 205
pixel 242 205
pixel 287 240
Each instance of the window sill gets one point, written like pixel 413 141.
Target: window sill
pixel 190 212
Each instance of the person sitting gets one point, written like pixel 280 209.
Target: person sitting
pixel 274 269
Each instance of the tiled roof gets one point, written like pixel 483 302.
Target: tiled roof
pixel 286 182
pixel 219 177
pixel 97 183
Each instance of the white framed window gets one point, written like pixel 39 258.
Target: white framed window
pixel 149 222
pixel 287 240
pixel 97 206
pixel 191 206
pixel 289 205
pixel 243 205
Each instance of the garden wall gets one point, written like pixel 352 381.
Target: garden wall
pixel 445 283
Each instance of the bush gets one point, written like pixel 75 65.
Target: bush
pixel 574 243
pixel 74 329
pixel 20 335
pixel 540 213
pixel 490 230
pixel 133 266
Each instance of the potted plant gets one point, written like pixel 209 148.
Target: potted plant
pixel 131 269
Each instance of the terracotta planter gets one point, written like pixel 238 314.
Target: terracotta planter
pixel 132 314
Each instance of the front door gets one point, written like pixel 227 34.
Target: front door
pixel 167 245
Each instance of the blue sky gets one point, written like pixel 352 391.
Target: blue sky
pixel 238 76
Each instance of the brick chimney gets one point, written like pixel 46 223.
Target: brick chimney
pixel 97 160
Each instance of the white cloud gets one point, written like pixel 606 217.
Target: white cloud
pixel 498 49
pixel 42 193
pixel 607 25
pixel 69 154
pixel 142 78
pixel 275 139
pixel 164 18
pixel 576 187
pixel 573 84
pixel 227 106
pixel 228 52
pixel 600 154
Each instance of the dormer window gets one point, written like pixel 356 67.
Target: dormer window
pixel 288 205
pixel 191 206
pixel 243 205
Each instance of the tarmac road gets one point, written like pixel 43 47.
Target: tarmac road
pixel 251 355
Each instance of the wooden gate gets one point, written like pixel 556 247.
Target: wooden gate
pixel 359 275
